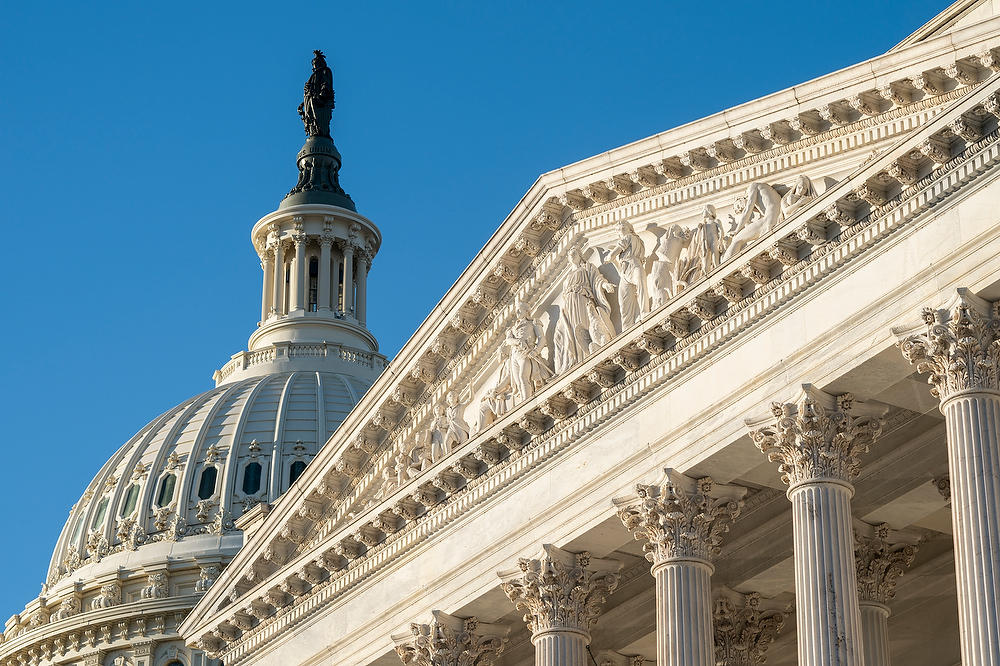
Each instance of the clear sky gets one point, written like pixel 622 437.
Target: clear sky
pixel 138 144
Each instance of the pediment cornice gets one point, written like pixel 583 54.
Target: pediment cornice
pixel 302 542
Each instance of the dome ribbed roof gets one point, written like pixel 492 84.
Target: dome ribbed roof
pixel 277 421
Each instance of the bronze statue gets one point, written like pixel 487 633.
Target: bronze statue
pixel 316 108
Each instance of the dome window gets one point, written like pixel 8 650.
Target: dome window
pixel 166 494
pixel 296 470
pixel 251 478
pixel 78 530
pixel 131 498
pixel 207 486
pixel 313 284
pixel 102 508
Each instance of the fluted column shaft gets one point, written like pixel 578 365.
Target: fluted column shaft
pixel 684 635
pixel 348 279
pixel 277 304
pixel 323 295
pixel 267 290
pixel 826 588
pixel 875 634
pixel 561 648
pixel 299 270
pixel 973 429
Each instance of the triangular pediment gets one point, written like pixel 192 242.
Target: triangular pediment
pixel 605 267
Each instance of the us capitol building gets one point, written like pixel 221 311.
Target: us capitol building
pixel 726 394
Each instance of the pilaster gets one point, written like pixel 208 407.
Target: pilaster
pixel 562 594
pixel 682 520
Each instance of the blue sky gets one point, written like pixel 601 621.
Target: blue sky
pixel 138 144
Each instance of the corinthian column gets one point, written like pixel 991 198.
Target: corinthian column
pixel 278 295
pixel 958 346
pixel 817 441
pixel 682 521
pixel 451 641
pixel 743 631
pixel 879 563
pixel 562 595
pixel 267 291
pixel 299 269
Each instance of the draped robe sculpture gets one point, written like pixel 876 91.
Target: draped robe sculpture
pixel 704 250
pixel 526 366
pixel 585 324
pixel 629 255
pixel 663 274
pixel 493 404
pixel 450 429
pixel 316 108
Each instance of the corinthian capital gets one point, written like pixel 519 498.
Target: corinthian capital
pixel 882 558
pixel 680 517
pixel 817 436
pixel 743 631
pixel 956 345
pixel 559 590
pixel 451 641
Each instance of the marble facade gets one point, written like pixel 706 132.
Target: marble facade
pixel 689 379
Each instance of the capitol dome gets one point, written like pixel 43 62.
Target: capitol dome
pixel 175 488
pixel 163 517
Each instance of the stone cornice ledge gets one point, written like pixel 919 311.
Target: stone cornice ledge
pixel 839 243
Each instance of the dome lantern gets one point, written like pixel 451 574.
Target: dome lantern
pixel 315 252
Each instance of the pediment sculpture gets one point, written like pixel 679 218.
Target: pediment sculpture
pixel 585 305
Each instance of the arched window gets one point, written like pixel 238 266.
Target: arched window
pixel 251 478
pixel 286 292
pixel 313 284
pixel 98 520
pixel 339 297
pixel 77 530
pixel 174 663
pixel 166 494
pixel 207 486
pixel 296 470
pixel 131 497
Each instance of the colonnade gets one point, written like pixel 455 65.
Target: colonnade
pixel 319 274
pixel 845 570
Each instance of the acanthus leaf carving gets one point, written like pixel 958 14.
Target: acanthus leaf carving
pixel 527 246
pixel 451 641
pixel 936 148
pixel 680 517
pixel 880 562
pixel 818 436
pixel 560 590
pixel 957 346
pixel 743 631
